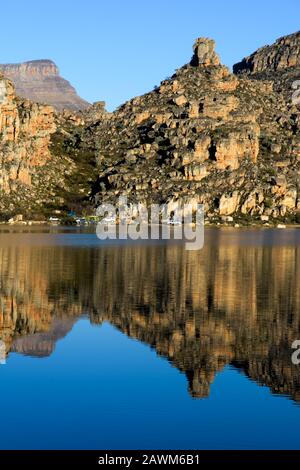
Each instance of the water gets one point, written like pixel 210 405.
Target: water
pixel 146 345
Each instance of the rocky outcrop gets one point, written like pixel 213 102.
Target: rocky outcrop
pixel 25 132
pixel 204 53
pixel 94 113
pixel 285 53
pixel 279 64
pixel 39 169
pixel 39 81
pixel 203 134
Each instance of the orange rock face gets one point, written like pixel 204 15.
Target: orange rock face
pixel 25 132
pixel 9 124
pixel 238 144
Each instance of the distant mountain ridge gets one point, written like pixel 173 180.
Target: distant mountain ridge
pixel 40 81
pixel 284 53
pixel 278 63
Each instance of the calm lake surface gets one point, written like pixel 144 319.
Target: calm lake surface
pixel 146 345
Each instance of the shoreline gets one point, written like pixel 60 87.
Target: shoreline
pixel 237 225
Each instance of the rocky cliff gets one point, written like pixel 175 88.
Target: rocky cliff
pixel 284 53
pixel 39 80
pixel 279 64
pixel 25 131
pixel 231 143
pixel 38 172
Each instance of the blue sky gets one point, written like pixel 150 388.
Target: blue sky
pixel 114 50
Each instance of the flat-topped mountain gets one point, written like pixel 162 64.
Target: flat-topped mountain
pixel 40 81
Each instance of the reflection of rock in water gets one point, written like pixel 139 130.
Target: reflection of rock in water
pixel 232 303
pixel 43 344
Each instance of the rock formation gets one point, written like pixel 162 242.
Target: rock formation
pixel 207 135
pixel 37 173
pixel 280 65
pixel 39 80
pixel 285 53
pixel 25 132
pixel 228 141
pixel 204 53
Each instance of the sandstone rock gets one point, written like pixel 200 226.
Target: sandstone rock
pixel 194 110
pixel 202 145
pixel 249 204
pixel 33 173
pixel 142 117
pixel 284 53
pixel 93 113
pixel 229 203
pixel 180 100
pixel 204 53
pixel 27 128
pixel 290 198
pixel 228 84
pixel 236 145
pixel 279 185
pixel 219 107
pixel 195 172
pixel 162 118
pixel 282 210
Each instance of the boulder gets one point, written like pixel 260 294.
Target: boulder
pixel 229 203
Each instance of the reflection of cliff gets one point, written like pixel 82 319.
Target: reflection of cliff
pixel 43 344
pixel 232 303
pixel 26 306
